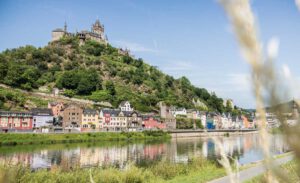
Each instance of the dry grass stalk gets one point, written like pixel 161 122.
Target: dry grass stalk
pixel 224 161
pixel 264 79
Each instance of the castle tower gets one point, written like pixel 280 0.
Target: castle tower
pixel 65 27
pixel 98 28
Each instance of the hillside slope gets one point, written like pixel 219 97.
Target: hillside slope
pixel 101 73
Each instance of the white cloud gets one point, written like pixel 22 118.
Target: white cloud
pixel 134 47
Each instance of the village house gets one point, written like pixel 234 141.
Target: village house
pixel 246 123
pixel 89 120
pixel 112 120
pixel 15 121
pixel 150 122
pixel 212 120
pixel 202 115
pixel 125 106
pixel 229 117
pixel 166 116
pixel 226 121
pixel 42 118
pixel 55 91
pixel 237 122
pixel 178 111
pixel 72 116
pixel 134 121
pixel 56 108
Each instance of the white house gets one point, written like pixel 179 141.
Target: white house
pixel 42 117
pixel 125 106
pixel 178 111
pixel 202 115
pixel 224 121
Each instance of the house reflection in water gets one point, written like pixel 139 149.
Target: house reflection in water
pixel 244 148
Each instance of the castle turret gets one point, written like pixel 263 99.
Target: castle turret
pixel 98 28
pixel 65 27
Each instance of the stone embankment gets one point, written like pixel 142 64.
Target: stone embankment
pixel 208 133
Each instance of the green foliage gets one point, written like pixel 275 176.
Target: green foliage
pixel 81 70
pixel 196 170
pixel 228 107
pixel 100 95
pixel 93 48
pixel 110 87
pixel 15 97
pixel 69 93
pixel 82 82
pixel 23 139
pixel 186 123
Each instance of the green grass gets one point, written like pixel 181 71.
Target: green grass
pixel 291 169
pixel 25 139
pixel 196 170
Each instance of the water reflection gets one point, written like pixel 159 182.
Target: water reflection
pixel 245 148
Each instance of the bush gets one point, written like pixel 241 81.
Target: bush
pixel 69 93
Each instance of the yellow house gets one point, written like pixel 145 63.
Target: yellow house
pixel 89 119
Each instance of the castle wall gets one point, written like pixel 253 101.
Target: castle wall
pixel 57 35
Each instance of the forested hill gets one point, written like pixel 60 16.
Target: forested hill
pixel 101 73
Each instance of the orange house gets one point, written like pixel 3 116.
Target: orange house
pixel 56 108
pixel 245 122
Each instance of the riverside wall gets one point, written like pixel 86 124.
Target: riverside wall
pixel 210 133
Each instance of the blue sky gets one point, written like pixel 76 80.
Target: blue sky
pixel 190 38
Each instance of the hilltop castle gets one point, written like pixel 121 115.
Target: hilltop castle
pixel 96 33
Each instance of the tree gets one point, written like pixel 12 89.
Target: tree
pixel 3 67
pixel 69 93
pixel 29 77
pixel 89 81
pixel 13 75
pixel 169 81
pixel 68 80
pixel 127 59
pixel 100 95
pixel 110 87
pixel 228 106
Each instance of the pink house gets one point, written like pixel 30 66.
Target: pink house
pixel 56 108
pixel 151 123
pixel 10 120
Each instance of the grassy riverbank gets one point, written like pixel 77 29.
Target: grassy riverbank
pixel 291 169
pixel 196 170
pixel 31 138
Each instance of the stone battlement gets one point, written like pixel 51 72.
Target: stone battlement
pixel 96 33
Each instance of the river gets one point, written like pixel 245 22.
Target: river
pixel 245 148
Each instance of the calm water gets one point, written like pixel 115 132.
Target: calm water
pixel 245 148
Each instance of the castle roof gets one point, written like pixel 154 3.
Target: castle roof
pixel 58 30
